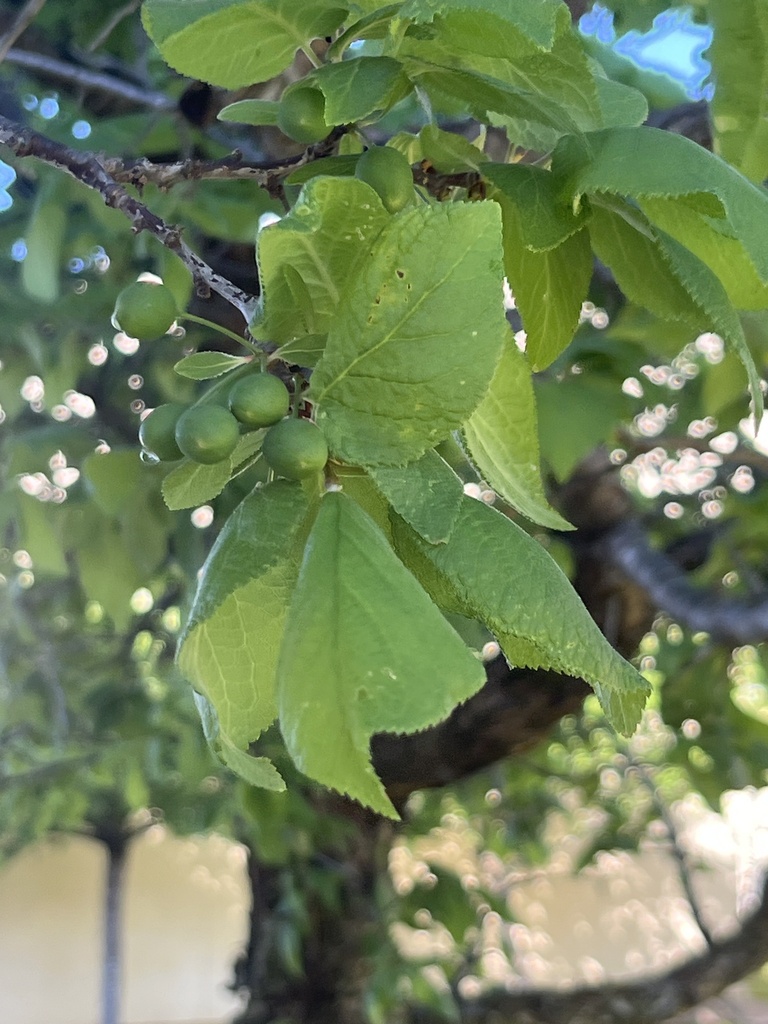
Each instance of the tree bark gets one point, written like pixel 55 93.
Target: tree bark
pixel 313 923
pixel 116 847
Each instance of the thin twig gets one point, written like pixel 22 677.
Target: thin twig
pixel 27 14
pixel 231 167
pixel 678 853
pixel 86 168
pixel 86 79
pixel 111 24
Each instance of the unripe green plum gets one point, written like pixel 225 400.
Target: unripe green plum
pixel 295 448
pixel 301 115
pixel 157 431
pixel 259 400
pixel 207 433
pixel 388 172
pixel 144 310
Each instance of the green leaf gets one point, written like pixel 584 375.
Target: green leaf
pixel 709 294
pixel 303 351
pixel 40 538
pixel 541 88
pixel 620 105
pixel 259 771
pixel 257 112
pixel 114 479
pixel 549 283
pixel 192 483
pixel 415 342
pixel 575 414
pixel 358 88
pixel 739 56
pixel 232 43
pixel 547 220
pixel 205 365
pixel 657 272
pixel 360 640
pixel 426 493
pixel 645 163
pixel 307 258
pixel 537 22
pixel 334 166
pixel 231 642
pixel 707 239
pixel 107 568
pixel 482 95
pixel 502 439
pixel 504 578
pixel 448 152
pixel 43 264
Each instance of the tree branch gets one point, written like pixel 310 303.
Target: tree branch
pixel 87 169
pixel 650 1000
pixel 229 168
pixel 511 714
pixel 23 19
pixel 678 853
pixel 728 620
pixel 87 79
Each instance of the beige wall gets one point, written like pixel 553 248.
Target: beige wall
pixel 185 921
pixel 186 918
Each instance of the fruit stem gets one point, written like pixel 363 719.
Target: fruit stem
pixel 296 407
pixel 311 56
pixel 222 330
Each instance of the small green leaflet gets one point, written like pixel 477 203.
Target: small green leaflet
pixel 192 483
pixel 259 771
pixel 502 439
pixel 232 43
pixel 426 493
pixel 646 162
pixel 536 21
pixel 739 56
pixel 415 341
pixel 231 642
pixel 303 351
pixel 505 579
pixel 373 655
pixel 357 88
pixel 250 112
pixel 205 365
pixel 307 258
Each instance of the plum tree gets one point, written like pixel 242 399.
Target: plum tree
pixel 521 417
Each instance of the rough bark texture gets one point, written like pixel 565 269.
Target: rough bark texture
pixel 323 979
